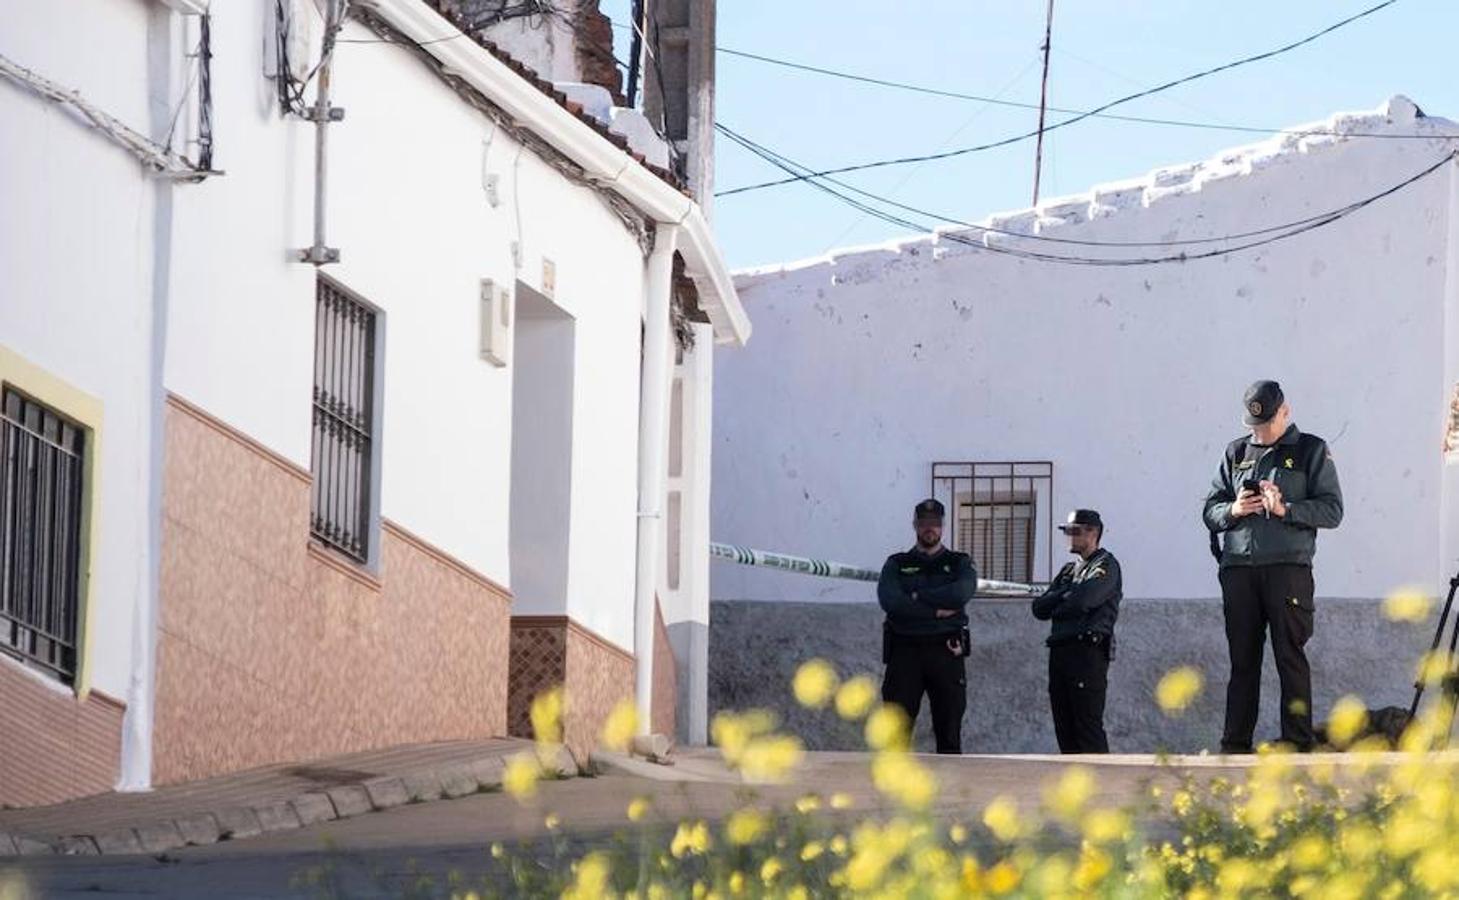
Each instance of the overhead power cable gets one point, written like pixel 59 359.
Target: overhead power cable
pixel 1247 60
pixel 1270 236
pixel 991 229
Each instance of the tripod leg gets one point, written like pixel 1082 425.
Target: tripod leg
pixel 1419 684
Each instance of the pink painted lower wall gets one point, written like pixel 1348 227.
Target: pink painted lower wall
pixel 271 648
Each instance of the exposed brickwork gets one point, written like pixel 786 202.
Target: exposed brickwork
pixel 268 651
pixel 593 33
pixel 666 679
pixel 54 747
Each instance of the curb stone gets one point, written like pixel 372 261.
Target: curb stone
pixel 457 781
pixel 278 816
pixel 349 800
pixel 423 786
pixel 387 792
pixel 238 822
pixel 200 829
pixel 313 808
pixel 25 846
pixel 488 772
pixel 160 837
pixel 123 840
pixel 81 845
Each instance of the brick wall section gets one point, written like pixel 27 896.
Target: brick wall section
pixel 666 680
pixel 271 649
pixel 54 747
pixel 551 651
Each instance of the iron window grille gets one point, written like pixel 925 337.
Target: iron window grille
pixel 344 386
pixel 1000 514
pixel 41 483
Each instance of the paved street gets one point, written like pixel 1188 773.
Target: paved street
pixel 389 853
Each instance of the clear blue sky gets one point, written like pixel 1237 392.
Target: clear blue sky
pixel 1102 49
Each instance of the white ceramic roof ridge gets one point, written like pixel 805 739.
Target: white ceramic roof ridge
pixel 1399 115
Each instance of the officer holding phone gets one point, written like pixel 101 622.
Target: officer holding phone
pixel 1275 488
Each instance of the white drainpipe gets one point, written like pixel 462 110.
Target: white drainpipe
pixel 653 408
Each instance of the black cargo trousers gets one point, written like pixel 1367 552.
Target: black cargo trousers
pixel 917 665
pixel 1255 598
pixel 1078 681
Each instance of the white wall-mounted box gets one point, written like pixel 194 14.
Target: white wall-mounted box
pixel 496 323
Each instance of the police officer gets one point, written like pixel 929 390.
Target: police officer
pixel 924 638
pixel 1274 489
pixel 1083 602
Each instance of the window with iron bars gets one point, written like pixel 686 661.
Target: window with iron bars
pixel 1000 514
pixel 344 415
pixel 41 484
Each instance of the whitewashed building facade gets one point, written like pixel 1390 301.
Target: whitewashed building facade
pixel 1016 388
pixel 260 510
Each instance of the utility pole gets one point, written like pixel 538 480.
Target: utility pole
pixel 1038 153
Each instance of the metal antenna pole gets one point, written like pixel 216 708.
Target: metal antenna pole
pixel 1038 153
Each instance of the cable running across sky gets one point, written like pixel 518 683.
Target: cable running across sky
pixel 1278 233
pixel 1072 119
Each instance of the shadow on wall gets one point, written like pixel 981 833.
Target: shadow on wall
pixel 754 649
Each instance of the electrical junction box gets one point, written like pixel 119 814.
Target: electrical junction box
pixel 496 323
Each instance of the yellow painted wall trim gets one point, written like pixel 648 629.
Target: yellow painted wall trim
pixel 85 410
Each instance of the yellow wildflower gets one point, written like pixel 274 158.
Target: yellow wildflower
pixel 1433 667
pixel 546 715
pixel 745 826
pixel 1003 878
pixel 811 850
pixel 814 683
pixel 1346 721
pixel 855 697
pixel 519 778
pixel 808 804
pixel 1067 797
pixel 1001 817
pixel 901 777
pixel 970 875
pixel 591 878
pixel 551 822
pixel 1093 867
pixel 1178 688
pixel 497 850
pixel 770 759
pixel 1309 853
pixel 637 809
pixel 1102 826
pixel 620 726
pixel 838 845
pixel 957 833
pixel 689 838
pixel 737 882
pixel 887 728
pixel 840 800
pixel 1406 605
pixel 769 869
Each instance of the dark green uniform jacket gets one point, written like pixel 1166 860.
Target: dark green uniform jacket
pixel 1302 467
pixel 914 586
pixel 1084 598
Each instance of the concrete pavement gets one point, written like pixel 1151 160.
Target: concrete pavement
pixel 417 849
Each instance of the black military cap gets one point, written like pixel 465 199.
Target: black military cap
pixel 1081 517
pixel 1262 401
pixel 928 509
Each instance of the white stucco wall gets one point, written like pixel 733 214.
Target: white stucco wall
pixel 870 365
pixel 410 215
pixel 76 272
